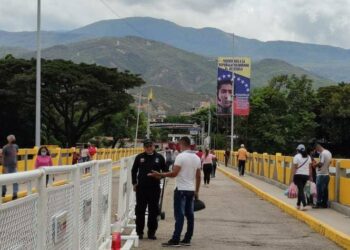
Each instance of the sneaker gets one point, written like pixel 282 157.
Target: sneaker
pixel 14 197
pixel 186 243
pixel 140 236
pixel 171 243
pixel 304 208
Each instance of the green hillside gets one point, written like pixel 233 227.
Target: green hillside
pixel 164 65
pixel 184 77
pixel 264 70
pixel 158 63
pixel 173 102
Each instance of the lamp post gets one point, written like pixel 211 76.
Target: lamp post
pixel 38 79
pixel 233 99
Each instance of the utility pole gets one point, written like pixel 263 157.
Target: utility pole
pixel 38 79
pixel 209 127
pixel 203 130
pixel 233 98
pixel 138 117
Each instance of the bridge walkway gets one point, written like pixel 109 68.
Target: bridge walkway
pixel 236 218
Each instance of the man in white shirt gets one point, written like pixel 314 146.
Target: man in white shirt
pixel 322 179
pixel 187 170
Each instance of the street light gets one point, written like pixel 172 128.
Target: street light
pixel 233 97
pixel 38 79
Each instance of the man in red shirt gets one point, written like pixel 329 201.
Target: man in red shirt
pixel 199 153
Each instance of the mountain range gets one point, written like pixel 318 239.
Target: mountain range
pixel 164 65
pixel 329 62
pixel 181 61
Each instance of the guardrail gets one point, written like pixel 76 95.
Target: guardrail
pixel 279 168
pixel 64 156
pixel 73 215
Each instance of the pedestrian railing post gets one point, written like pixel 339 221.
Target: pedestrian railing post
pixel 42 211
pixel 284 171
pixel 76 207
pixel 26 160
pixel 95 174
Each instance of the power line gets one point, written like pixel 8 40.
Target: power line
pixel 122 18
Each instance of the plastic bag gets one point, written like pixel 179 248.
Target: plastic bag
pixel 307 189
pixel 313 189
pixel 292 191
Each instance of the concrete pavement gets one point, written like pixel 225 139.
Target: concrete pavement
pixel 236 218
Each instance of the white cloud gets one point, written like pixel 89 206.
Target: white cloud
pixel 314 21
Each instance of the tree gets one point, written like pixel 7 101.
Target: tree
pixel 119 125
pixel 17 114
pixel 334 116
pixel 282 114
pixel 75 97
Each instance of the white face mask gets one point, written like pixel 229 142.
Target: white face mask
pixel 43 153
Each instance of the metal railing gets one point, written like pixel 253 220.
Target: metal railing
pixel 73 215
pixel 279 168
pixel 64 156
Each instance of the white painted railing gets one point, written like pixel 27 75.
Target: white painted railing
pixel 73 213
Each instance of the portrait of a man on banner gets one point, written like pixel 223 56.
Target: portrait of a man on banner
pixel 224 92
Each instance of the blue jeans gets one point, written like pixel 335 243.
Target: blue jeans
pixel 10 170
pixel 322 182
pixel 183 206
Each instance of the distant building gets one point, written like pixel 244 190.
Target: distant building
pixel 202 105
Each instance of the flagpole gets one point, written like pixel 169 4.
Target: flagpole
pixel 150 97
pixel 148 119
pixel 209 126
pixel 138 118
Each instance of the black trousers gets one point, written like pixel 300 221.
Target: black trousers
pixel 147 197
pixel 300 181
pixel 226 160
pixel 241 167
pixel 214 170
pixel 207 168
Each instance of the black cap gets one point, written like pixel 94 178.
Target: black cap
pixel 147 142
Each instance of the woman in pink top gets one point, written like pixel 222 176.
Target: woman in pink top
pixel 43 159
pixel 207 163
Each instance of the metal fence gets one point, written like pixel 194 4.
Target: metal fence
pixel 74 212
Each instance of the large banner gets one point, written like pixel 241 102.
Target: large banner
pixel 224 86
pixel 242 71
pixel 237 70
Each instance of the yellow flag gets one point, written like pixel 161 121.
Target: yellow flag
pixel 150 95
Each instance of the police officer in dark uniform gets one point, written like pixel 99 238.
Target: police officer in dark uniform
pixel 147 188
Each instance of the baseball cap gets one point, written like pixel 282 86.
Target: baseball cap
pixel 147 142
pixel 301 147
pixel 242 145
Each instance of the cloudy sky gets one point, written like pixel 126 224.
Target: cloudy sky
pixel 314 21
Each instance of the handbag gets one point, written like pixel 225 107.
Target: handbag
pixel 198 205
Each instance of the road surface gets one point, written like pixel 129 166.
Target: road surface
pixel 236 218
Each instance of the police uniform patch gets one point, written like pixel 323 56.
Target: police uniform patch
pixel 157 160
pixel 142 160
